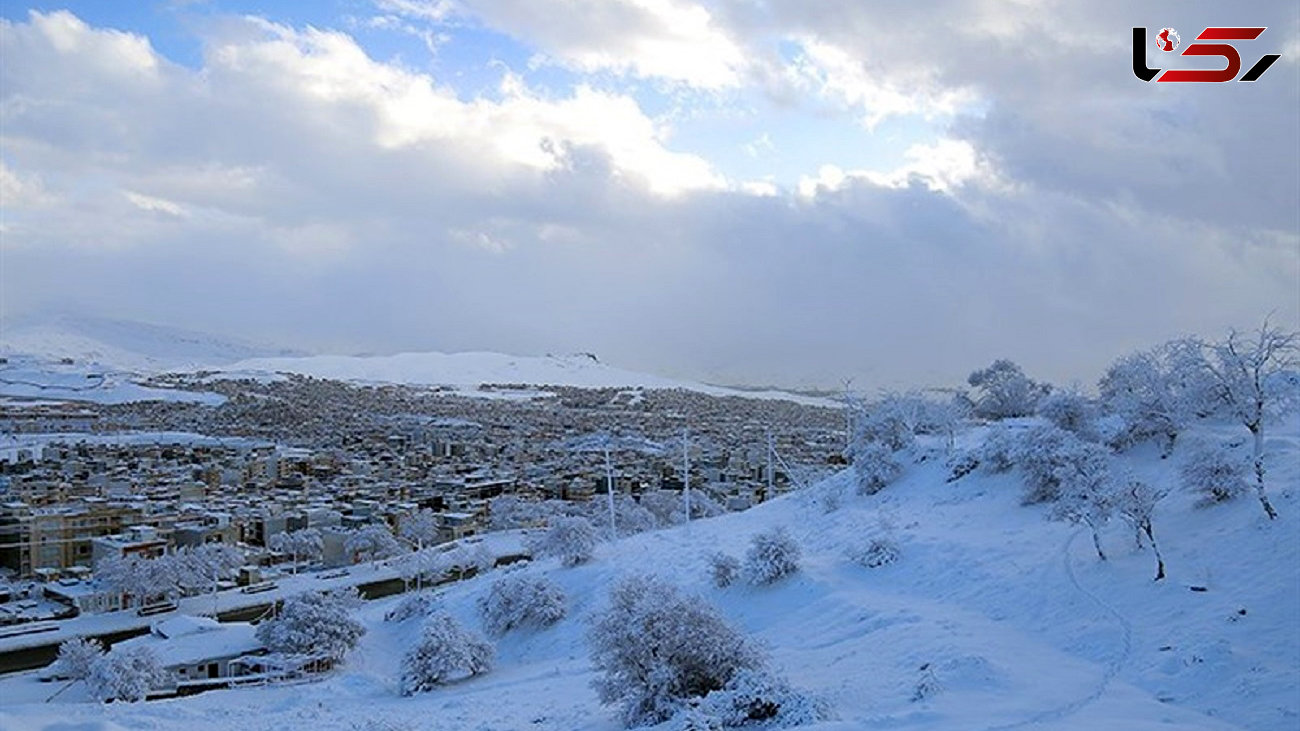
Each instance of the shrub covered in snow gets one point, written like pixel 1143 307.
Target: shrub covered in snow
pixel 572 540
pixel 446 651
pixel 874 466
pixel 1070 410
pixel 1214 473
pixel 630 517
pixel 413 605
pixel 876 552
pixel 125 674
pixel 520 600
pixel 1051 456
pixel 752 698
pixel 76 657
pixel 724 568
pixel 314 623
pixel 998 452
pixel 772 554
pixel 655 648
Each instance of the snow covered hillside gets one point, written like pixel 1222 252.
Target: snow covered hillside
pixel 468 370
pixel 102 345
pixel 991 617
pixel 122 344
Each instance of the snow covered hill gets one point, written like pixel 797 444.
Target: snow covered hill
pixel 101 345
pixel 472 369
pixel 993 617
pixel 122 344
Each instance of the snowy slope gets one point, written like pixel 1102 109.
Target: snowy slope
pixel 123 344
pixel 99 345
pixel 1020 623
pixel 472 369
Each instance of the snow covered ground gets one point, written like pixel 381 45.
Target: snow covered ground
pixel 1016 620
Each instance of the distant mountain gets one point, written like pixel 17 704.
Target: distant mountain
pixel 582 370
pixel 125 344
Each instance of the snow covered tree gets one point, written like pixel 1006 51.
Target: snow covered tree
pixel 1050 456
pixel 702 506
pixel 630 516
pixel 306 543
pixel 1071 410
pixel 1084 490
pixel 126 674
pixel 892 420
pixel 654 648
pixel 1154 393
pixel 446 651
pixel 772 555
pixel 519 600
pixel 1252 377
pixel 1136 504
pixel 314 623
pixel 76 658
pixel 1005 391
pixel 1214 472
pixel 466 559
pixel 572 540
pixel 372 542
pixel 724 568
pixel 665 505
pixel 421 528
pixel 874 466
pixel 1000 449
pixel 141 580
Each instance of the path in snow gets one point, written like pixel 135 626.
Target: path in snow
pixel 1112 668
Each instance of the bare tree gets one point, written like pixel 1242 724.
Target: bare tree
pixel 1136 502
pixel 1252 377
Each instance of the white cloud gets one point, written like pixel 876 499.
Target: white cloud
pixel 843 77
pixel 154 204
pixel 663 39
pixel 406 109
pixel 942 166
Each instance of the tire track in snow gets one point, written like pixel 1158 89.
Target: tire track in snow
pixel 1112 668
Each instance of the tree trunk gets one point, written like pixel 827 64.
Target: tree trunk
pixel 1096 542
pixel 1257 432
pixel 1160 560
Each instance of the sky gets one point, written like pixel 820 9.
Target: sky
pixel 742 191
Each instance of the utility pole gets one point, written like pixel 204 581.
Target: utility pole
pixel 609 487
pixel 771 477
pixel 686 472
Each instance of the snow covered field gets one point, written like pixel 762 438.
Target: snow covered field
pixel 1008 619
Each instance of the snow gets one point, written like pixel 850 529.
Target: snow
pixel 26 378
pixel 199 644
pixel 123 344
pixel 469 370
pixel 116 351
pixel 992 617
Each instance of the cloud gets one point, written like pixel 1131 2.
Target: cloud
pixel 295 188
pixel 662 39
